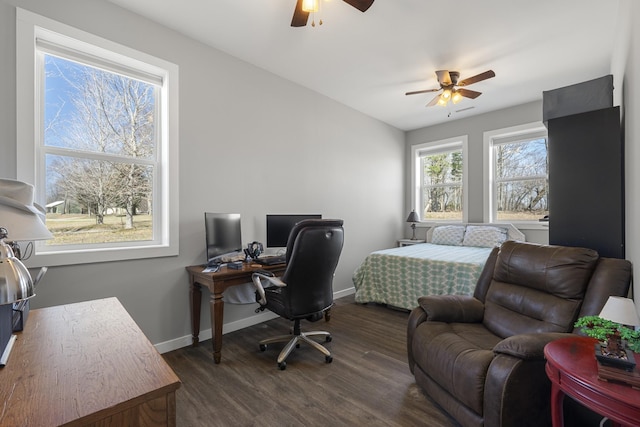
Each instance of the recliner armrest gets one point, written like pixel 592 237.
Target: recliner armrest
pixel 527 346
pixel 452 308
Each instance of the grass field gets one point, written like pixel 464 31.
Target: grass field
pixel 71 229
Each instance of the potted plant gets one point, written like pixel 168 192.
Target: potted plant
pixel 611 350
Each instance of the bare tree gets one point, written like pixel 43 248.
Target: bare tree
pixel 111 115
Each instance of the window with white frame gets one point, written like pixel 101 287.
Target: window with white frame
pixel 517 180
pixel 439 174
pixel 98 139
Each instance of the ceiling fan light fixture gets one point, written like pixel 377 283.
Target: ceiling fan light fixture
pixel 452 88
pixel 310 5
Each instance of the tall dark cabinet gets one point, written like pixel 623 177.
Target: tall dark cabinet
pixel 586 181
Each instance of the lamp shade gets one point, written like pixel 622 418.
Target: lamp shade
pixel 413 217
pixel 23 226
pixel 15 281
pixel 23 219
pixel 620 310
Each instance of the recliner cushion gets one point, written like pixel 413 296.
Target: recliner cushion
pixel 558 270
pixel 512 310
pixel 537 288
pixel 457 357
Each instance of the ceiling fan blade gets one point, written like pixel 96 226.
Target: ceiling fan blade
pixel 434 101
pixel 469 93
pixel 300 17
pixel 477 78
pixel 422 91
pixel 443 77
pixel 361 5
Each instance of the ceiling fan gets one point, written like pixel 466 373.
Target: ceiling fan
pixel 301 12
pixel 452 88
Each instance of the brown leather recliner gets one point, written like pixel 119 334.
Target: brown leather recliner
pixel 481 358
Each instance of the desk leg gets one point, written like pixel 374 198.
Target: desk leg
pixel 216 307
pixel 557 397
pixel 195 294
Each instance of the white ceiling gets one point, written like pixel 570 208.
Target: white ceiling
pixel 368 61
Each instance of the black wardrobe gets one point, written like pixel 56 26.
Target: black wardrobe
pixel 586 181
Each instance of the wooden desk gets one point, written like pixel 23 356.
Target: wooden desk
pixel 86 364
pixel 571 367
pixel 216 283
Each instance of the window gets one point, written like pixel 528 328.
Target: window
pixel 439 171
pixel 99 142
pixel 517 180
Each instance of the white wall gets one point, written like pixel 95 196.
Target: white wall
pixel 239 126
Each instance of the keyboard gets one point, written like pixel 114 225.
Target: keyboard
pixel 271 260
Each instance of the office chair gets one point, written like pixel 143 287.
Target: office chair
pixel 305 290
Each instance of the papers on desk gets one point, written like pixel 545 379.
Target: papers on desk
pixel 213 268
pixel 214 264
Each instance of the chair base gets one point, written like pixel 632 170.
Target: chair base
pixel 293 341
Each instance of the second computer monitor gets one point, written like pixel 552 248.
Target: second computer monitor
pixel 279 226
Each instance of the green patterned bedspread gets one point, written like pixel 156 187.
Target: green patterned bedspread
pixel 399 276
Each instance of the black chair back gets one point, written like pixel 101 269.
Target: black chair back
pixel 313 251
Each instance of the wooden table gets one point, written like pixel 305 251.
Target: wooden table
pixel 571 367
pixel 86 364
pixel 217 283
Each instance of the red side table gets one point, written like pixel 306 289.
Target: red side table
pixel 572 369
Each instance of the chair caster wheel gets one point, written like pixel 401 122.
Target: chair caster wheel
pixel 328 338
pixel 297 345
pixel 328 359
pixel 263 347
pixel 282 366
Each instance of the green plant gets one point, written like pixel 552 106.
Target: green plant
pixel 611 332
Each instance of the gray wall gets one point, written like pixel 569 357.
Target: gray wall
pixel 474 127
pixel 332 160
pixel 239 125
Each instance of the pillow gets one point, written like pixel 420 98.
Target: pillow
pixel 484 236
pixel 448 235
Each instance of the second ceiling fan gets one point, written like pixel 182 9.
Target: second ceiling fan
pixel 301 12
pixel 452 88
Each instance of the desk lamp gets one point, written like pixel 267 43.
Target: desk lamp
pixel 25 219
pixel 621 311
pixel 413 218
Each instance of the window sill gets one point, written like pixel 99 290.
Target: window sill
pixel 523 225
pixel 531 225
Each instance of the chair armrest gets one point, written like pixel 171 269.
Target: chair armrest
pixel 259 278
pixel 528 346
pixel 452 308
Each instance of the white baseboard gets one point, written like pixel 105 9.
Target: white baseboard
pixel 205 334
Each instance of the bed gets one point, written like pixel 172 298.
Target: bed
pixel 449 263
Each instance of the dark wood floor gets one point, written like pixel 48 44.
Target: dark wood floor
pixel 368 383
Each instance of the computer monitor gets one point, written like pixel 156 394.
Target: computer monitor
pixel 279 226
pixel 222 232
